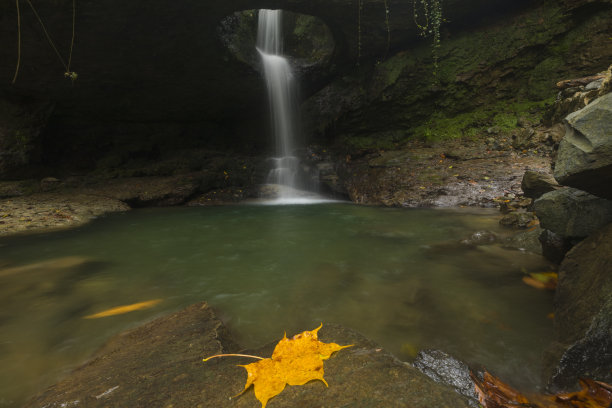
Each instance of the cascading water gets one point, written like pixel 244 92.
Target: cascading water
pixel 284 108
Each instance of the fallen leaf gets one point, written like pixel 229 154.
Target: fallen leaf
pixel 543 280
pixel 295 361
pixel 493 393
pixel 124 309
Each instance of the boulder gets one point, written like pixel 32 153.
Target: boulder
pixel 584 159
pixel 160 365
pixel 583 313
pixel 535 184
pixel 572 214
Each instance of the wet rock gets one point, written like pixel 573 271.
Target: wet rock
pixel 53 210
pixel 526 241
pixel 535 184
pixel 160 365
pixel 149 191
pixel 523 139
pixel 508 204
pixel 584 160
pixel 480 238
pixel 517 219
pixel 583 312
pixel 572 213
pixel 446 174
pixel 443 368
pixel 554 247
pixel 224 196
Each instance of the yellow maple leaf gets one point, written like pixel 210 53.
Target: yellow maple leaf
pixel 294 361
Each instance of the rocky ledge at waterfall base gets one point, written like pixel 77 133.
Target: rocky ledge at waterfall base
pixel 464 172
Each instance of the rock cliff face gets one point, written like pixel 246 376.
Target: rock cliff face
pixel 155 76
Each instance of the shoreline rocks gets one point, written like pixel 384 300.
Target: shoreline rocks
pixel 583 313
pixel 584 159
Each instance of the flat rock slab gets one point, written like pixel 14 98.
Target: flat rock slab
pixel 160 365
pixel 453 173
pixel 48 211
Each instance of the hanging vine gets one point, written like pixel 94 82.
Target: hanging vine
pixel 67 72
pixel 388 27
pixel 359 7
pixel 428 23
pixel 18 42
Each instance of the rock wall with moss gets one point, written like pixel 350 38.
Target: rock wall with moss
pixel 155 75
pixel 486 78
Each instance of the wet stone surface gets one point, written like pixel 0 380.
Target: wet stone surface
pixel 160 365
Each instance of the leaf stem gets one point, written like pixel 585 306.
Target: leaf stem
pixel 232 355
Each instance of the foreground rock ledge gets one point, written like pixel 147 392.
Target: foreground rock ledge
pixel 160 365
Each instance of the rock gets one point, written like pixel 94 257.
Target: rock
pixel 594 85
pixel 160 365
pixel 149 191
pixel 480 238
pixel 517 219
pixel 22 123
pixel 523 139
pixel 526 241
pixel 443 368
pixel 583 312
pixel 53 210
pixel 535 184
pixel 507 205
pixel 572 214
pixel 554 247
pixel 584 160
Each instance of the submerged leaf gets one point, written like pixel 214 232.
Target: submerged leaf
pixel 124 309
pixel 544 280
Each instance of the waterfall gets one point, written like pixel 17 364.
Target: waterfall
pixel 284 108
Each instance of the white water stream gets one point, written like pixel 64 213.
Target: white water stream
pixel 284 111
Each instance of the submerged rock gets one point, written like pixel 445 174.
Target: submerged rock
pixel 517 219
pixel 583 313
pixel 160 365
pixel 526 240
pixel 584 160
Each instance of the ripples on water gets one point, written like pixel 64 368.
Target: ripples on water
pixel 398 276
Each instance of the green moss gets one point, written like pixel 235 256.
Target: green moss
pixel 544 76
pixel 377 141
pixel 503 116
pixel 505 121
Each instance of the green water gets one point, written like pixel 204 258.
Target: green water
pixel 398 276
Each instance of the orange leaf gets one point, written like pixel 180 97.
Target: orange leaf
pixel 124 309
pixel 295 361
pixel 545 280
pixel 493 393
